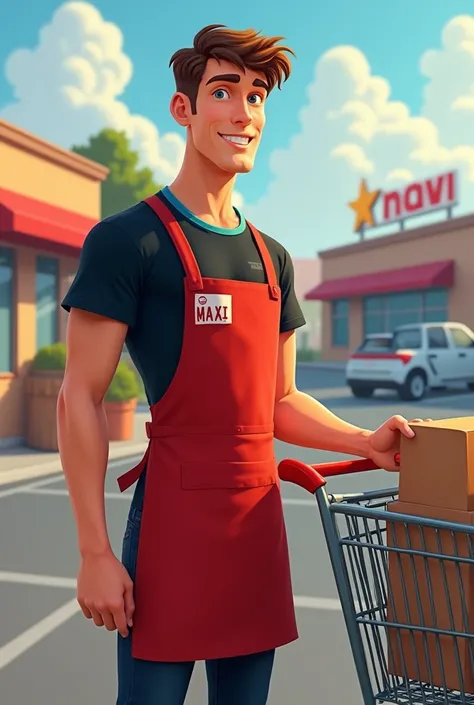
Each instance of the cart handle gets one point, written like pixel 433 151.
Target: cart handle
pixel 312 477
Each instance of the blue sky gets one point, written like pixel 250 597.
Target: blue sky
pixel 392 37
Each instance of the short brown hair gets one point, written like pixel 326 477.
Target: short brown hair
pixel 246 48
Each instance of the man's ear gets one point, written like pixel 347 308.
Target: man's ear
pixel 180 109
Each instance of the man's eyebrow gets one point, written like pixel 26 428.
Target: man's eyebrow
pixel 235 78
pixel 229 77
pixel 258 83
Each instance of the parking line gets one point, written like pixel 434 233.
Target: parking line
pixel 315 603
pixel 59 477
pixel 30 486
pixel 327 604
pixel 38 580
pixel 17 646
pixel 128 495
pixel 65 493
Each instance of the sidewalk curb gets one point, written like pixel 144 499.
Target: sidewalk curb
pixel 9 477
pixel 326 366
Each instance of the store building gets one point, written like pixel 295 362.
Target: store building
pixel 307 272
pixel 49 200
pixel 417 275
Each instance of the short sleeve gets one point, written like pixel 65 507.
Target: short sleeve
pixel 291 314
pixel 110 274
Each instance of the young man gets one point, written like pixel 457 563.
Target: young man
pixel 206 305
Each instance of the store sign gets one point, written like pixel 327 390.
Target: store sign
pixel 377 208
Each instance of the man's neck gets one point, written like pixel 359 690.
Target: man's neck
pixel 206 191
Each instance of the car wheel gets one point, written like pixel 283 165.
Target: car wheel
pixel 415 386
pixel 362 391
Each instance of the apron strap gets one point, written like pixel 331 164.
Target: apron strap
pixel 128 478
pixel 273 288
pixel 186 255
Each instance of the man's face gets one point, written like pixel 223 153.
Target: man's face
pixel 230 116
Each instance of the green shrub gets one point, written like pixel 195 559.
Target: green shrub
pixel 50 357
pixel 124 386
pixel 307 355
pixel 142 397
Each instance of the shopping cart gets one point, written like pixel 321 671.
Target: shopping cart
pixel 413 655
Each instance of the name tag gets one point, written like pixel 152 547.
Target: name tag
pixel 212 309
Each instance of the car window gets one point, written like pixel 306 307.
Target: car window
pixel 375 345
pixel 408 338
pixel 437 338
pixel 461 338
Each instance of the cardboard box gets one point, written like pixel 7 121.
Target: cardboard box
pixel 429 592
pixel 437 466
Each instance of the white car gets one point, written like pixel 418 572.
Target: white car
pixel 415 358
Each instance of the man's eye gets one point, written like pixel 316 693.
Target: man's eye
pixel 220 94
pixel 255 99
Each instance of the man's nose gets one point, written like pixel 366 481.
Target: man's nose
pixel 241 114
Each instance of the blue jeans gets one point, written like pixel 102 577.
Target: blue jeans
pixel 243 680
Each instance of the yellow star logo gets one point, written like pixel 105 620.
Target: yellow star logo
pixel 363 207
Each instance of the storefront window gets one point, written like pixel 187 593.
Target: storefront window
pixel 340 322
pixel 401 318
pixel 436 298
pixel 405 301
pixel 384 313
pixel 47 294
pixel 6 309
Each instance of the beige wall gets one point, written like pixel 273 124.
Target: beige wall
pixel 30 175
pixel 39 169
pixel 391 252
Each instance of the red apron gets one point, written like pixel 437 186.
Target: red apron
pixel 213 575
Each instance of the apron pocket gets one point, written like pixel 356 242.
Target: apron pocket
pixel 224 475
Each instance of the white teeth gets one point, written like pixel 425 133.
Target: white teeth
pixel 236 139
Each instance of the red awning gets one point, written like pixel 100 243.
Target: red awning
pixel 38 220
pixel 420 276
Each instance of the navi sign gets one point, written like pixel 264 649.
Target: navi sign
pixel 376 208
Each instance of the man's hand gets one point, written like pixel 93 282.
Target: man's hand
pixel 384 443
pixel 105 592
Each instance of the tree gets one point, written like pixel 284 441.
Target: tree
pixel 126 184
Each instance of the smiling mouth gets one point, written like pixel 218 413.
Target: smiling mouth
pixel 237 139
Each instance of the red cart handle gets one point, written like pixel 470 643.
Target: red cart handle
pixel 312 477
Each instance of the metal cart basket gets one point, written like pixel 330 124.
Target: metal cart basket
pixel 398 658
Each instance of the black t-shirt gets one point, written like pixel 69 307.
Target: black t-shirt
pixel 129 271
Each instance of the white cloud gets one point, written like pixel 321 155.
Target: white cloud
pixel 68 87
pixel 449 95
pixel 350 128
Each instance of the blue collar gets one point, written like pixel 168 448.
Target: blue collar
pixel 201 223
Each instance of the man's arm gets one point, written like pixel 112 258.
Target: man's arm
pixel 94 345
pixel 303 421
pixel 103 301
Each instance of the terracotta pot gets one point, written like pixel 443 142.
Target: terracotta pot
pixel 121 419
pixel 42 390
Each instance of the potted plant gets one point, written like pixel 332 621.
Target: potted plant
pixel 43 383
pixel 121 403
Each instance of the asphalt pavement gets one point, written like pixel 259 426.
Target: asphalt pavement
pixel 51 655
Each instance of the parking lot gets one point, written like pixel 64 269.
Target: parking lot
pixel 51 655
